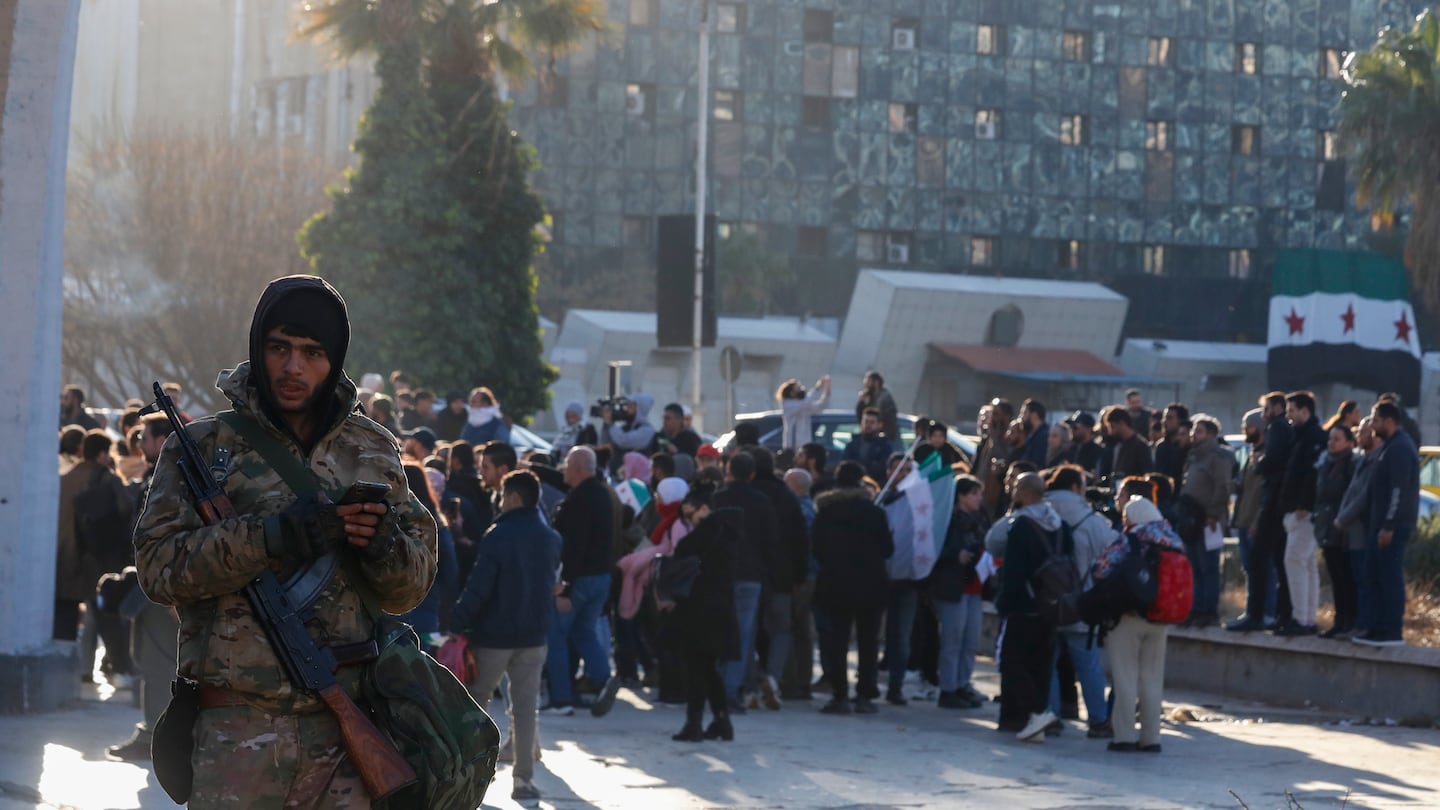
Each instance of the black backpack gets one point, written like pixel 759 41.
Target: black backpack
pixel 1131 586
pixel 1056 583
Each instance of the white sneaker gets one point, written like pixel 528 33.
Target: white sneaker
pixel 119 681
pixel 770 693
pixel 1034 730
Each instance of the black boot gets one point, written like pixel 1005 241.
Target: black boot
pixel 720 728
pixel 693 731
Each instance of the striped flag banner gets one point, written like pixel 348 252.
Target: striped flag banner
pixel 920 517
pixel 1342 318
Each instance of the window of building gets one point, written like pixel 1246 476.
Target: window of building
pixel 930 162
pixel 870 246
pixel 1157 136
pixel 987 124
pixel 1245 139
pixel 729 18
pixel 982 251
pixel 729 105
pixel 1327 145
pixel 1153 260
pixel 644 12
pixel 819 25
pixel 990 40
pixel 554 91
pixel 1072 129
pixel 1331 61
pixel 904 33
pixel 1068 255
pixel 640 100
pixel 1240 264
pixel 904 117
pixel 1075 46
pixel 1247 57
pixel 844 71
pixel 1158 52
pixel 812 242
pixel 815 112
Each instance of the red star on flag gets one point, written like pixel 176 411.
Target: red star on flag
pixel 922 509
pixel 1349 319
pixel 1402 327
pixel 1295 322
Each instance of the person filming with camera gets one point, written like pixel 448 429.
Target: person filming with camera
pixel 626 426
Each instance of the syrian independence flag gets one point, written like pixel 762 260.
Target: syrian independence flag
pixel 919 519
pixel 1343 318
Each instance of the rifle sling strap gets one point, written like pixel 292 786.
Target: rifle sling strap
pixel 305 585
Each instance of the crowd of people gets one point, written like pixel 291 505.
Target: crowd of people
pixel 638 556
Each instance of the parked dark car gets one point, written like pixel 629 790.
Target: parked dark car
pixel 834 429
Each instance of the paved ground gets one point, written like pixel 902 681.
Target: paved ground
pixel 912 757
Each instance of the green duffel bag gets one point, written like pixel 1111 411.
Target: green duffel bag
pixel 434 723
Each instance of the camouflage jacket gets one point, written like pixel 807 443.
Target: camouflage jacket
pixel 201 569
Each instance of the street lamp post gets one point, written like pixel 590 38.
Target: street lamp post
pixel 701 153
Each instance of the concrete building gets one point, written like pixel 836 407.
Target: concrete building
pixel 1166 148
pixel 771 350
pixel 230 65
pixel 948 343
pixel 37 55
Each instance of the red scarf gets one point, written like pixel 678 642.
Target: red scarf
pixel 669 513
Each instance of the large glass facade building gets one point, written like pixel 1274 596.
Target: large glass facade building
pixel 1168 148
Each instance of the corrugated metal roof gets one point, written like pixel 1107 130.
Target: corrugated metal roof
pixel 1013 361
pixel 994 285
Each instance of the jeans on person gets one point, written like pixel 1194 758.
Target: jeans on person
pixel 587 599
pixel 747 605
pixel 523 665
pixel 1089 670
pixel 1246 546
pixel 899 620
pixel 959 635
pixel 1364 598
pixel 801 666
pixel 1267 553
pixel 1382 585
pixel 781 639
pixel 1206 568
pixel 632 649
pixel 1302 570
pixel 1342 585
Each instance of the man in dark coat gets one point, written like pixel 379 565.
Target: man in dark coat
pixel 585 520
pixel 703 626
pixel 792 558
pixel 1394 504
pixel 872 448
pixel 1268 534
pixel 1127 453
pixel 852 541
pixel 758 561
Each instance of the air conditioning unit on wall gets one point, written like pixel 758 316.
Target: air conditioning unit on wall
pixel 903 39
pixel 898 253
pixel 985 130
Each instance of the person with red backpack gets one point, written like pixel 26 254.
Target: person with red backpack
pixel 1135 647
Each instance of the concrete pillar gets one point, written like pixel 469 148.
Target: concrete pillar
pixel 37 57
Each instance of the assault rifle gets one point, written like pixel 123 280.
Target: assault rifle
pixel 381 768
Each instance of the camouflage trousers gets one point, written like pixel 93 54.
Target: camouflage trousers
pixel 245 758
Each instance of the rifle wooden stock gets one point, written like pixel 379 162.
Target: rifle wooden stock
pixel 381 768
pixel 215 509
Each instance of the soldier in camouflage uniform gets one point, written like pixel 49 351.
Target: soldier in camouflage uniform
pixel 260 742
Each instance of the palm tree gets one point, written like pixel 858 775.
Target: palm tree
pixel 1390 130
pixel 497 31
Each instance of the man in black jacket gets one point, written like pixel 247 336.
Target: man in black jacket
pixel 1126 454
pixel 585 520
pixel 852 542
pixel 792 559
pixel 758 561
pixel 1297 501
pixel 1268 534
